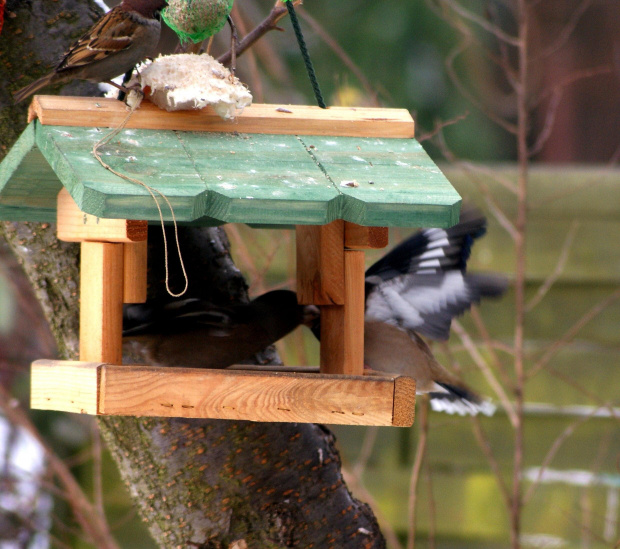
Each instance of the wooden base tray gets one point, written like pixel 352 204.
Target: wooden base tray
pixel 136 390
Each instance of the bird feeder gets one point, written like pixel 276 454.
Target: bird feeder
pixel 341 176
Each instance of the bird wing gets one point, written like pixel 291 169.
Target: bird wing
pixel 431 250
pixel 427 303
pixel 422 284
pixel 111 34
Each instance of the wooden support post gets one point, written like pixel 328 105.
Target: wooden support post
pixel 134 272
pixel 358 237
pixel 333 278
pixel 101 302
pixel 354 309
pixel 320 263
pixel 112 271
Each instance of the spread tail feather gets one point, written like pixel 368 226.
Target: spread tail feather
pixel 460 401
pixel 31 88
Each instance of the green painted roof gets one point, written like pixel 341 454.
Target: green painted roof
pixel 213 178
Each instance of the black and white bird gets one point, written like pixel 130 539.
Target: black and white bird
pixel 416 290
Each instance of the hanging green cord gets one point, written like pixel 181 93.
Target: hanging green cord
pixel 305 54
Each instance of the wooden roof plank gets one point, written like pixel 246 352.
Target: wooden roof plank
pixel 257 118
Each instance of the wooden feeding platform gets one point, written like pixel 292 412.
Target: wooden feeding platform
pixel 340 176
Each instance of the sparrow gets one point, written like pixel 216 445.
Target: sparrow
pixel 122 38
pixel 194 333
pixel 416 290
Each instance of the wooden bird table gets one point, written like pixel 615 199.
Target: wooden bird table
pixel 341 176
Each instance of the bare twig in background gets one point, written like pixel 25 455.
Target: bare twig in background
pixel 386 528
pixel 575 15
pixel 93 524
pixel 570 334
pixel 257 84
pixel 432 511
pixel 97 455
pixel 486 371
pixel 486 25
pixel 559 268
pixel 439 125
pixel 553 450
pixel 422 421
pixel 490 345
pixel 368 444
pixel 485 446
pixel 270 23
pixel 343 55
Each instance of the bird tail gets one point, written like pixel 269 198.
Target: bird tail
pixel 28 90
pixel 461 401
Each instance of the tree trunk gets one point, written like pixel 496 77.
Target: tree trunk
pixel 202 483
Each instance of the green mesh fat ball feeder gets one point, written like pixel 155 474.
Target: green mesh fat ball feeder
pixel 196 20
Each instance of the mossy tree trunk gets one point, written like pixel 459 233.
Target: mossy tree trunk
pixel 197 483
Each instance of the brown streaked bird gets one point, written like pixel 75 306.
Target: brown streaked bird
pixel 195 333
pixel 123 37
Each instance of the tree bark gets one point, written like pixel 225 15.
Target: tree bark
pixel 201 483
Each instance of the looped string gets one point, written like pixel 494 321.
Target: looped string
pixel 104 141
pixel 305 55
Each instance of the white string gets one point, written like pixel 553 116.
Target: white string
pixel 106 139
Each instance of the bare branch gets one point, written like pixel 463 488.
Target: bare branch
pixel 270 23
pixel 490 345
pixel 417 467
pixel 90 520
pixel 572 332
pixel 343 55
pixel 557 443
pixel 489 27
pixel 450 67
pixel 386 528
pixel 471 348
pixel 485 446
pixel 368 444
pixel 567 31
pixel 571 79
pixel 440 125
pixel 549 122
pixel 559 268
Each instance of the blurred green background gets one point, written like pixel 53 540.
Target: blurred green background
pixel 401 47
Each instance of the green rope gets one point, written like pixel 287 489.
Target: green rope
pixel 305 54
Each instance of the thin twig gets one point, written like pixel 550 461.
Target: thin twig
pixel 489 343
pixel 553 450
pixel 566 32
pixel 343 55
pixel 91 522
pixel 559 268
pixel 386 528
pixel 417 467
pixel 572 332
pixel 485 446
pixel 270 23
pixel 489 27
pixel 439 126
pixel 486 371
